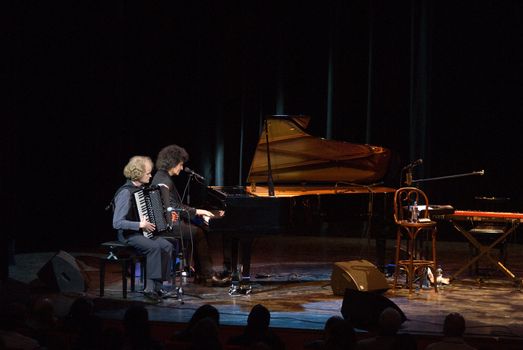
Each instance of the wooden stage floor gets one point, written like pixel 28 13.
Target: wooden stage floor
pixel 292 279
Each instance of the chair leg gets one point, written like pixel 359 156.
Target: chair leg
pixel 397 259
pixel 434 259
pixel 143 274
pixel 124 277
pixel 102 277
pixel 411 273
pixel 133 272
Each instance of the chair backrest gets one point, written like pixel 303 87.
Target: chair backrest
pixel 404 198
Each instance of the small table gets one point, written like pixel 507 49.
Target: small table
pixel 459 220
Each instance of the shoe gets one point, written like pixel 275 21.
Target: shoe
pixel 164 294
pixel 152 296
pixel 212 281
pixel 225 273
pixel 217 281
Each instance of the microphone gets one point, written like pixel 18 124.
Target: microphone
pixel 191 172
pixel 171 209
pixel 414 164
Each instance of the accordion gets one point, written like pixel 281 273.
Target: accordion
pixel 150 206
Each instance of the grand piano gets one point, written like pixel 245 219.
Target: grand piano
pixel 300 184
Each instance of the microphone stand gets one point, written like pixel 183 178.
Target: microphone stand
pixel 184 267
pixel 481 172
pixel 270 182
pixel 183 273
pixel 188 189
pixel 408 171
pixel 408 177
pixel 175 216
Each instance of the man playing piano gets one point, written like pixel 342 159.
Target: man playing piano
pixel 170 162
pixel 130 228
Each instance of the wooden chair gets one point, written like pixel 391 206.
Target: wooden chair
pixel 415 263
pixel 127 257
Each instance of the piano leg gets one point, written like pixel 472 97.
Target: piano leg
pixel 227 249
pixel 241 278
pixel 382 231
pixel 234 246
pixel 381 247
pixel 245 254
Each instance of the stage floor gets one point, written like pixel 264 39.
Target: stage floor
pixel 291 277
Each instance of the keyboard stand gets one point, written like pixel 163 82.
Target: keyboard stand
pixel 484 250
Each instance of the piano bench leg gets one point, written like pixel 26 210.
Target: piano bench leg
pixel 125 264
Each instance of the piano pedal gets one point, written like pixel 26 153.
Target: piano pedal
pixel 236 290
pixel 241 288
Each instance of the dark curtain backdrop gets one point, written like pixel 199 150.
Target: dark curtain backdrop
pixel 92 84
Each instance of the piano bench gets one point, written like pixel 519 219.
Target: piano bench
pixel 127 257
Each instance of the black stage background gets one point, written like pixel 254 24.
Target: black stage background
pixel 92 83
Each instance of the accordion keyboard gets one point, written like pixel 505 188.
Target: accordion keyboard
pixel 150 206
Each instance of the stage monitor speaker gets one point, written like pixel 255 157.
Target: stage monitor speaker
pixel 359 275
pixel 363 309
pixel 62 273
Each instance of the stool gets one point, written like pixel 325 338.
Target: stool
pixel 127 257
pixel 486 233
pixel 404 198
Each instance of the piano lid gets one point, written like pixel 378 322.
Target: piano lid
pixel 298 157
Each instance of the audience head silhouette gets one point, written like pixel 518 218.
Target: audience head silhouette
pixel 205 335
pixel 137 330
pixel 43 309
pixel 454 325
pixel 84 323
pixel 81 309
pixel 204 311
pixel 112 338
pixel 136 318
pixel 13 315
pixel 389 321
pixel 259 318
pixel 453 331
pixel 257 334
pixel 338 333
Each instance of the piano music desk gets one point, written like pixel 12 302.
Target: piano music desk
pixel 459 220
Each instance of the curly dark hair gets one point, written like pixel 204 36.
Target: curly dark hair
pixel 170 156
